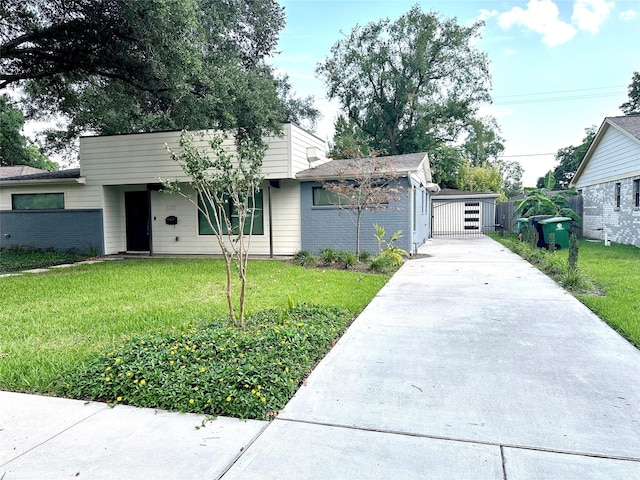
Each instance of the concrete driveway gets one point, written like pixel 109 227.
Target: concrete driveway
pixel 469 364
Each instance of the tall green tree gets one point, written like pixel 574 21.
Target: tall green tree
pixel 409 84
pixel 349 141
pixel 140 65
pixel 569 159
pixel 481 178
pixel 15 148
pixel 632 106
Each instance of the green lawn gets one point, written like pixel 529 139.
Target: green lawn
pixel 62 320
pixel 15 259
pixel 615 270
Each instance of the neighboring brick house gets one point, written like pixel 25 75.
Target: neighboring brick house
pixel 112 203
pixel 326 225
pixel 609 181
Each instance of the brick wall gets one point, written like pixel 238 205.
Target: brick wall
pixel 333 227
pixel 600 215
pixel 63 230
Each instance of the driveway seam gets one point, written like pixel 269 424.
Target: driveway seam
pixel 467 440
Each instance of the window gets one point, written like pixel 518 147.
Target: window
pixel 323 197
pixel 37 201
pixel 616 195
pixel 258 218
pixel 636 193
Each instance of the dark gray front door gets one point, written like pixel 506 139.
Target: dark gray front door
pixel 136 206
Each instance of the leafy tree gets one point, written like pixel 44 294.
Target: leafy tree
pixel 511 173
pixel 218 181
pixel 445 163
pixel 540 201
pixel 569 159
pixel 349 141
pixel 300 111
pixel 632 106
pixel 15 148
pixel 142 65
pixel 364 184
pixel 481 178
pixel 483 143
pixel 410 84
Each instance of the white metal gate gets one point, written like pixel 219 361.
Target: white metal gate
pixel 460 217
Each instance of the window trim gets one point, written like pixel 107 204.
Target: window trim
pixel 617 194
pixel 636 193
pixel 60 195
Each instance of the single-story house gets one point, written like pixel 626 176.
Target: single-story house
pixel 463 213
pixel 326 223
pixel 18 170
pixel 608 178
pixel 113 203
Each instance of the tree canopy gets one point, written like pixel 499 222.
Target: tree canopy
pixel 15 148
pixel 140 65
pixel 632 106
pixel 408 84
pixel 569 159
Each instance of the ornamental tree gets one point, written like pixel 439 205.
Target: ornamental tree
pixel 224 187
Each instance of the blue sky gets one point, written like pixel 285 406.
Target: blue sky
pixel 558 66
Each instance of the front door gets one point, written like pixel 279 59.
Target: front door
pixel 136 206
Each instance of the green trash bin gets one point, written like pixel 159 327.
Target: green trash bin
pixel 560 227
pixel 521 223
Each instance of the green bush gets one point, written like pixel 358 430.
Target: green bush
pixel 329 255
pixel 383 263
pixel 348 259
pixel 305 258
pixel 217 370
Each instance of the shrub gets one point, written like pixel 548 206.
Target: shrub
pixel 349 259
pixel 329 255
pixel 304 258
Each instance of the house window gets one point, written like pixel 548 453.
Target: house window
pixel 636 193
pixel 323 197
pixel 616 195
pixel 231 211
pixel 37 201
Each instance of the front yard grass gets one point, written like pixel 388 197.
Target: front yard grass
pixel 16 259
pixel 56 328
pixel 615 270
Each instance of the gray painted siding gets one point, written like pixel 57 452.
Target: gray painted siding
pixel 600 215
pixel 333 227
pixel 62 230
pixel 616 157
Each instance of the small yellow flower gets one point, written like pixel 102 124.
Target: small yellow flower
pixel 196 388
pixel 202 369
pixel 191 400
pixel 107 379
pixel 135 381
pixel 143 381
pixel 228 399
pixel 129 373
pixel 264 399
pixel 118 360
pixel 171 362
pixel 119 399
pixel 108 368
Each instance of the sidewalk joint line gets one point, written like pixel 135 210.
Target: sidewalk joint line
pixel 467 440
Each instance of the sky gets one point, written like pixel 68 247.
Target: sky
pixel 557 66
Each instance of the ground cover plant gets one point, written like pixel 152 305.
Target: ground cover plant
pixel 212 369
pixel 62 321
pixel 607 279
pixel 19 258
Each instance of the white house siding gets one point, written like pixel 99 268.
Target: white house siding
pixel 616 157
pixel 184 238
pixel 76 195
pixel 143 158
pixel 115 239
pixel 601 216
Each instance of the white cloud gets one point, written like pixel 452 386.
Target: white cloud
pixel 589 14
pixel 485 14
pixel 628 15
pixel 541 16
pixel 509 51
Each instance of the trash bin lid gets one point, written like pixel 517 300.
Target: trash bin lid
pixel 547 221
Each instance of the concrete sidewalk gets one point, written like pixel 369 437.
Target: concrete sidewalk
pixel 468 364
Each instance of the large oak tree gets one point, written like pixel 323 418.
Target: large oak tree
pixel 122 66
